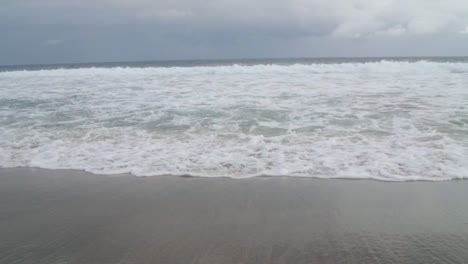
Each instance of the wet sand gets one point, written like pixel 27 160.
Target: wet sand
pixel 74 217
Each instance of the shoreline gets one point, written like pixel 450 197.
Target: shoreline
pixel 66 216
pixel 344 178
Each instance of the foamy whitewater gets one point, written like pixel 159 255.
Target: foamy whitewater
pixel 385 120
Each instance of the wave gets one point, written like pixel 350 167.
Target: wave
pixel 387 120
pixel 384 66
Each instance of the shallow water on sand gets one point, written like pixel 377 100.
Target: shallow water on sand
pixel 73 217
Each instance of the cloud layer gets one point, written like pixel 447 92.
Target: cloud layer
pixel 185 28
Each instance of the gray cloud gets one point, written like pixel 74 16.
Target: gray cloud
pixel 143 29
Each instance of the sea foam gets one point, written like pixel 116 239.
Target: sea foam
pixel 387 120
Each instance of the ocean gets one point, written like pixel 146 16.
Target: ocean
pixel 391 119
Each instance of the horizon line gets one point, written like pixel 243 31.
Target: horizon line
pixel 230 59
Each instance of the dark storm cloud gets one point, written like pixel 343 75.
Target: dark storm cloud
pixel 52 31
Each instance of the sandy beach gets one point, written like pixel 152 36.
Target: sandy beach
pixel 64 216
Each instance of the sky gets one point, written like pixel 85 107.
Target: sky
pixel 65 31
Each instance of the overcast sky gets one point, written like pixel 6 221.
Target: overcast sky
pixel 58 31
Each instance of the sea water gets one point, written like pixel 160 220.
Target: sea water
pixel 386 119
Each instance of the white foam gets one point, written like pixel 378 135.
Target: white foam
pixel 386 120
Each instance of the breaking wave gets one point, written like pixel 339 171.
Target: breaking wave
pixel 387 120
